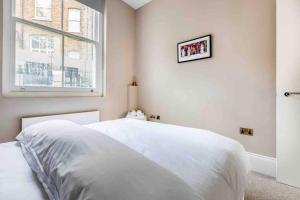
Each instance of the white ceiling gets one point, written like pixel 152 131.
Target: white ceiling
pixel 136 4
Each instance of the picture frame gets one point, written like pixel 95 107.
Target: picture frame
pixel 194 49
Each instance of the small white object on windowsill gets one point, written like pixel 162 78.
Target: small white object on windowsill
pixel 136 115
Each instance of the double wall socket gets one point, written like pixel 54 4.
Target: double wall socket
pixel 246 131
pixel 154 117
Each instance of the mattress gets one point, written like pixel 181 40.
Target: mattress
pixel 17 181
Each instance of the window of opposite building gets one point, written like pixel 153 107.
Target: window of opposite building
pixel 43 9
pixel 74 20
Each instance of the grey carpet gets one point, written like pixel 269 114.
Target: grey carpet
pixel 266 188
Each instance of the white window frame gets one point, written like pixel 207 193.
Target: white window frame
pixel 8 62
pixel 39 17
pixel 74 20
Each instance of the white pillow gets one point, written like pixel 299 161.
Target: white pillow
pixel 33 144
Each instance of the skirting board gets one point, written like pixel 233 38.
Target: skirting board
pixel 263 164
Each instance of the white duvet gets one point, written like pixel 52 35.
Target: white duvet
pixel 213 165
pixel 129 159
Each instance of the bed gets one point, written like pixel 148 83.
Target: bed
pixel 17 181
pixel 212 165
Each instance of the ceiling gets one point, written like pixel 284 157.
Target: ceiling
pixel 136 4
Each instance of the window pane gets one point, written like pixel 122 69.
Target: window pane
pixel 35 43
pixel 80 72
pixel 38 60
pixel 43 3
pixel 43 13
pixel 74 27
pixel 40 11
pixel 80 17
pixel 74 15
pixel 43 9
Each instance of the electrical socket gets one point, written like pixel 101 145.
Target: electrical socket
pixel 246 131
pixel 154 117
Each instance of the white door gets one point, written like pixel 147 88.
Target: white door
pixel 288 80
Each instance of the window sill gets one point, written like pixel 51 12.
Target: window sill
pixel 42 19
pixel 51 94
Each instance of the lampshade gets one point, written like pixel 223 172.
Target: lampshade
pixel 132 97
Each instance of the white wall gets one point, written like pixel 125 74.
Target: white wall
pixel 235 88
pixel 120 63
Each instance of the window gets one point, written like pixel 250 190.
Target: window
pixel 74 20
pixel 43 9
pixel 41 44
pixel 45 58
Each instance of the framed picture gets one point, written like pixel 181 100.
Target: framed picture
pixel 195 49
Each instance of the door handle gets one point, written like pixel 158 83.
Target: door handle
pixel 287 94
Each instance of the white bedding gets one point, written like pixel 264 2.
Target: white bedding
pixel 213 165
pixel 77 163
pixel 17 181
